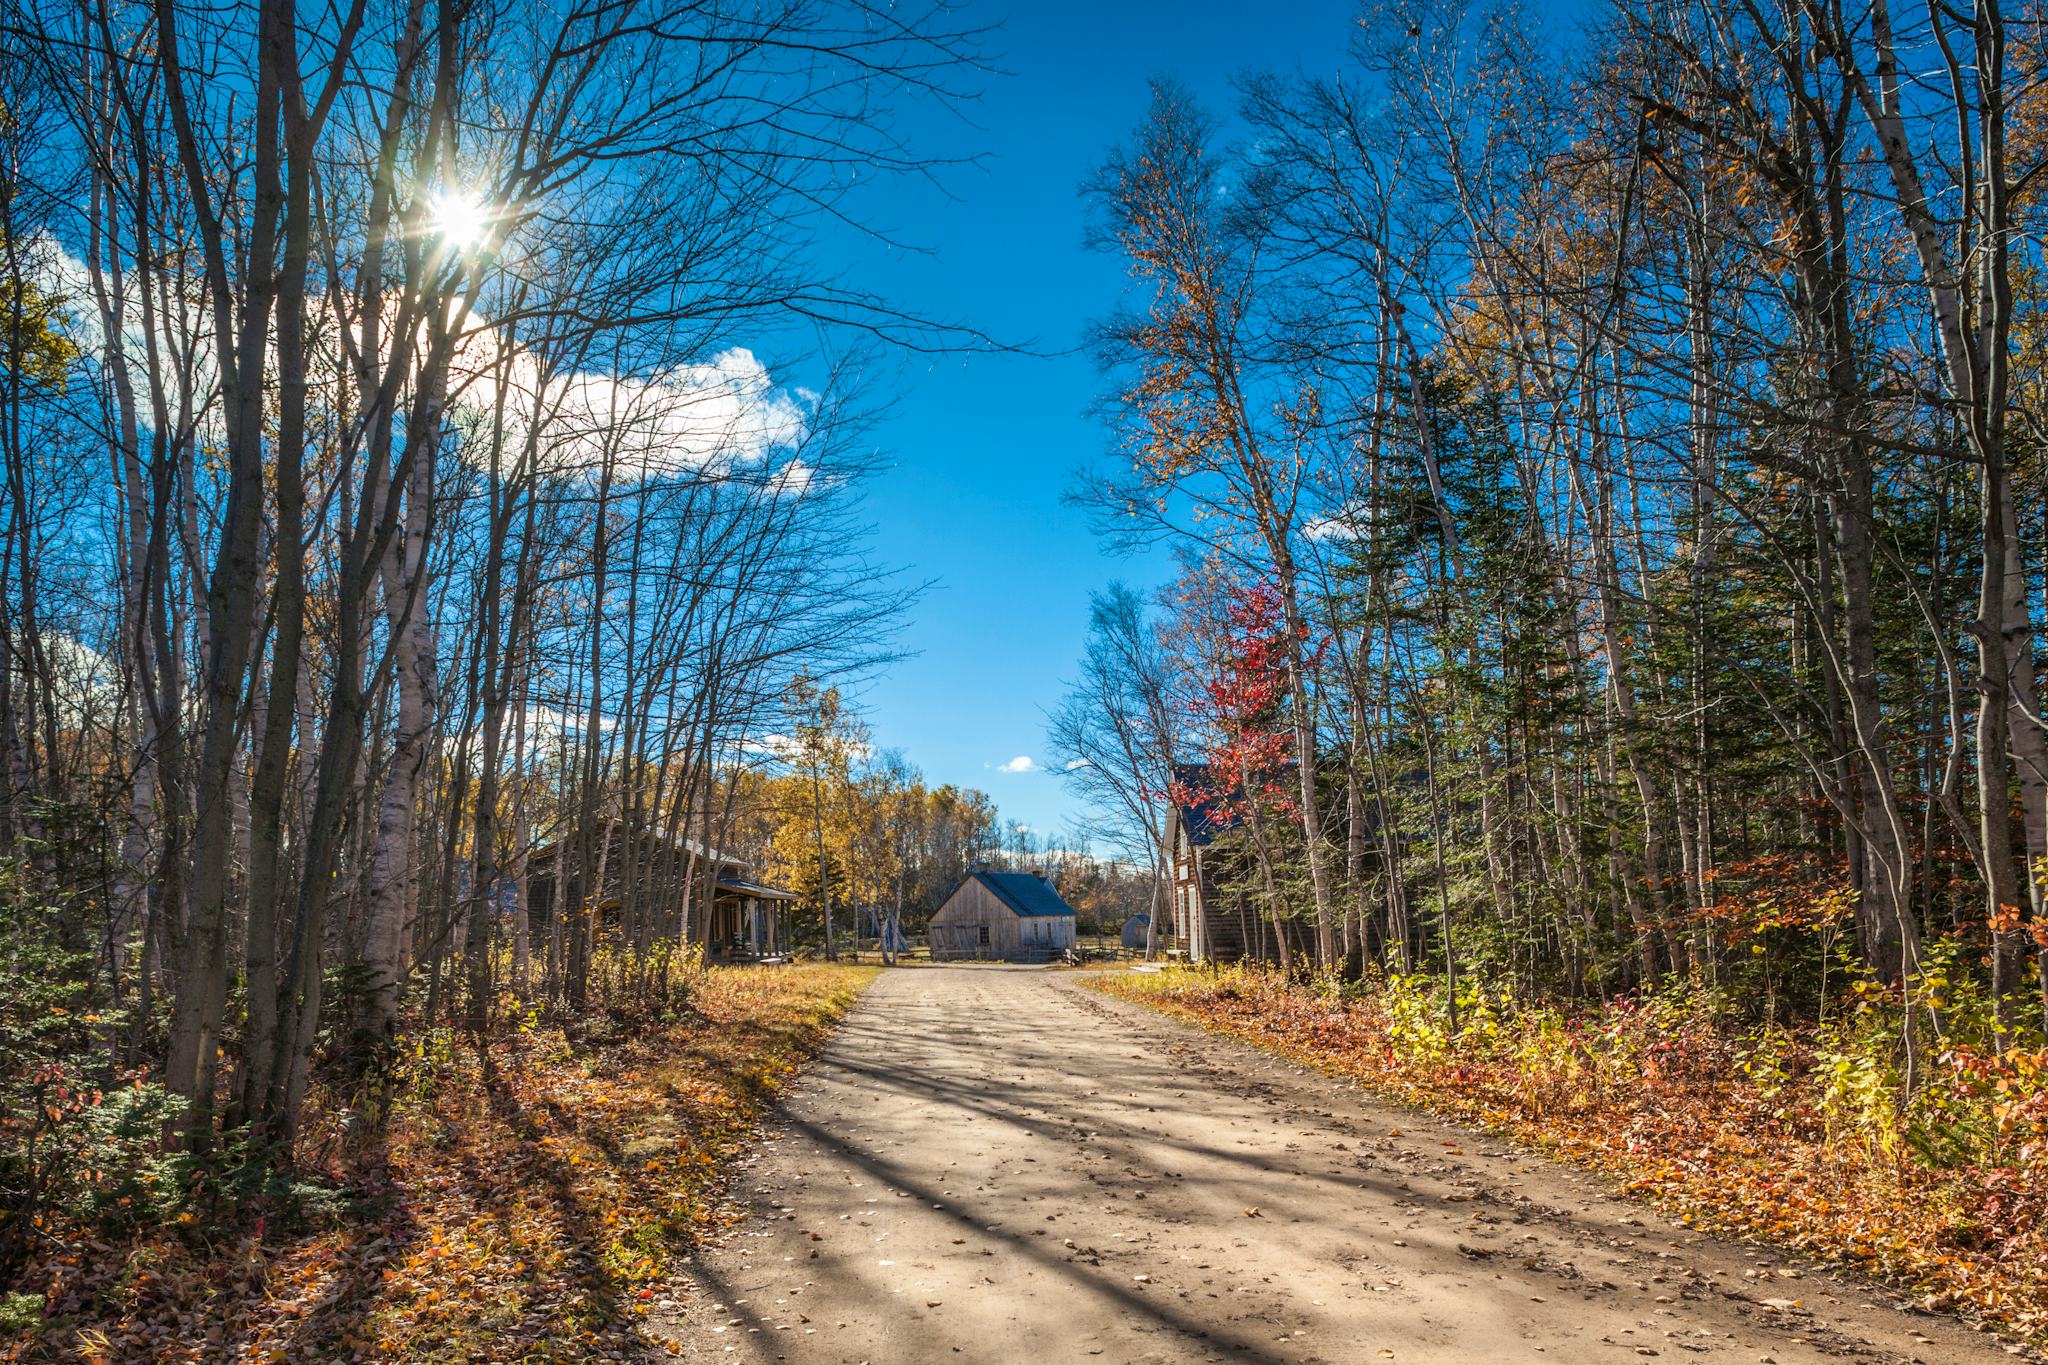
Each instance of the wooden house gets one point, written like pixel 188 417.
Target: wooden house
pixel 1136 929
pixel 1212 922
pixel 650 878
pixel 1002 917
pixel 1212 869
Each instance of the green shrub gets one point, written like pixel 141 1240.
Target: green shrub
pixel 79 1146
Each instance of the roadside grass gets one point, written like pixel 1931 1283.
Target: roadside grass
pixel 522 1204
pixel 1790 1141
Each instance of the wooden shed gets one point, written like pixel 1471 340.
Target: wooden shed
pixel 1002 917
pixel 1212 917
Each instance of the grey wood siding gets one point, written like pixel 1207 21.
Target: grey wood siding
pixel 1213 925
pixel 976 923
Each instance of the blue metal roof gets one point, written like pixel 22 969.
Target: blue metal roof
pixel 1024 893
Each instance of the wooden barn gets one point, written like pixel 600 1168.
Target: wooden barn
pixel 1002 917
pixel 1136 930
pixel 650 877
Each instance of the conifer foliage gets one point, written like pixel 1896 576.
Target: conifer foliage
pixel 1602 453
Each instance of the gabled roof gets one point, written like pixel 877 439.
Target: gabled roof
pixel 613 826
pixel 759 891
pixel 1024 893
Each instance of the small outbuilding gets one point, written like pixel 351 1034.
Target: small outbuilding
pixel 1135 930
pixel 1002 917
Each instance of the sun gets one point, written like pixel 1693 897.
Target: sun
pixel 460 220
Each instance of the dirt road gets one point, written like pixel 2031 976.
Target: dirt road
pixel 994 1164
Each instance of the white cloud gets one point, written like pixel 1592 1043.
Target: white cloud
pixel 1339 527
pixel 553 723
pixel 724 414
pixel 784 748
pixel 1022 763
pixel 1074 764
pixel 83 679
pixel 721 414
pixel 781 748
pixel 183 325
pixel 795 479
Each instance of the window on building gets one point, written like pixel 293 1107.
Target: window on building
pixel 981 936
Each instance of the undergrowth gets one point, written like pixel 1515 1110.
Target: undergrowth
pixel 1808 1138
pixel 524 1201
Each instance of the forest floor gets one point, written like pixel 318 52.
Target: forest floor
pixel 991 1164
pixel 530 1209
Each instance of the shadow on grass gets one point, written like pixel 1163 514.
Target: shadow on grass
pixel 525 1206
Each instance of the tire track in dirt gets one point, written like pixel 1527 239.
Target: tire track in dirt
pixel 993 1164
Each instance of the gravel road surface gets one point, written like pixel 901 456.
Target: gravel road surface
pixel 996 1164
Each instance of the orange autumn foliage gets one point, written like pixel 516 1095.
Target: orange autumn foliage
pixel 1741 1136
pixel 525 1204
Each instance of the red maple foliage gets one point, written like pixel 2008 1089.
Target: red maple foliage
pixel 1244 707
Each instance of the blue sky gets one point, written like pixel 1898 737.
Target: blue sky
pixel 981 448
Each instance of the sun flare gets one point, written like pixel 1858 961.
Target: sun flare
pixel 461 220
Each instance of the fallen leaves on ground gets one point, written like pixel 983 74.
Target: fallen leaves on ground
pixel 527 1205
pixel 1679 1123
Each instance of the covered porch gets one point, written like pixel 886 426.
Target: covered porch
pixel 749 920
